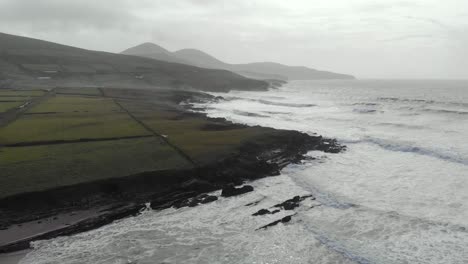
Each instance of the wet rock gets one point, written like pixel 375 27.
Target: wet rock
pixel 209 199
pixel 282 220
pixel 175 199
pixel 286 219
pixel 192 202
pixel 254 203
pixel 265 211
pixel 292 203
pixel 233 191
pixel 198 186
pixel 262 212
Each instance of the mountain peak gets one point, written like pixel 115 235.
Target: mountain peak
pixel 199 58
pixel 145 48
pixel 256 70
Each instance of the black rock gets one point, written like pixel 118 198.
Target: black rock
pixel 192 202
pixel 293 203
pixel 233 191
pixel 198 186
pixel 282 220
pixel 262 212
pixel 209 199
pixel 176 199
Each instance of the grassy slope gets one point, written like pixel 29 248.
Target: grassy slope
pixel 24 60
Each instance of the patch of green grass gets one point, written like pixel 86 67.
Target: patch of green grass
pixel 82 91
pixel 72 118
pixel 8 92
pixel 76 104
pixel 27 169
pixel 15 98
pixel 188 133
pixel 70 126
pixel 5 106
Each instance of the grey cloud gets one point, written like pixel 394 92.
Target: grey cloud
pixel 430 20
pixel 59 14
pixel 376 6
pixel 368 38
pixel 409 37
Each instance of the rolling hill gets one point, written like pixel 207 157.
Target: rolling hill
pixel 257 70
pixel 31 62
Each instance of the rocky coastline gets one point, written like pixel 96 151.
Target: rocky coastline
pixel 105 201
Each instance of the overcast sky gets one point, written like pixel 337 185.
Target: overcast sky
pixel 367 38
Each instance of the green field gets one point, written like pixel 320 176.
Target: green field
pixel 27 93
pixel 189 133
pixel 5 106
pixel 69 104
pixel 15 98
pixel 70 127
pixel 72 118
pixel 81 91
pixel 153 114
pixel 26 169
pixel 10 99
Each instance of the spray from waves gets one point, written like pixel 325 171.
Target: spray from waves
pixel 366 104
pixel 245 113
pixel 400 125
pixel 395 238
pixel 422 101
pixel 334 245
pixel 266 102
pixel 445 111
pixel 400 146
pixel 366 111
pixel 324 198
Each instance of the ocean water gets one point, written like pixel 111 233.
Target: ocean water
pixel 399 194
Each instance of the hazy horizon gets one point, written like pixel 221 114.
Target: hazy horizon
pixel 369 39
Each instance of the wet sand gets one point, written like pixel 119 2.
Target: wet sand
pixel 34 228
pixel 13 258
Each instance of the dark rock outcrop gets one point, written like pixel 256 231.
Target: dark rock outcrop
pixel 198 185
pixel 282 220
pixel 290 204
pixel 265 211
pixel 233 191
pixel 192 202
pixel 262 212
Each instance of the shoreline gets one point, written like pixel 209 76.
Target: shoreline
pixel 90 205
pixel 13 257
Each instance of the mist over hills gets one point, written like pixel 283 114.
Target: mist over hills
pixel 32 62
pixel 257 70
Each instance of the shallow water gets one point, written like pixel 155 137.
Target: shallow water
pixel 399 194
